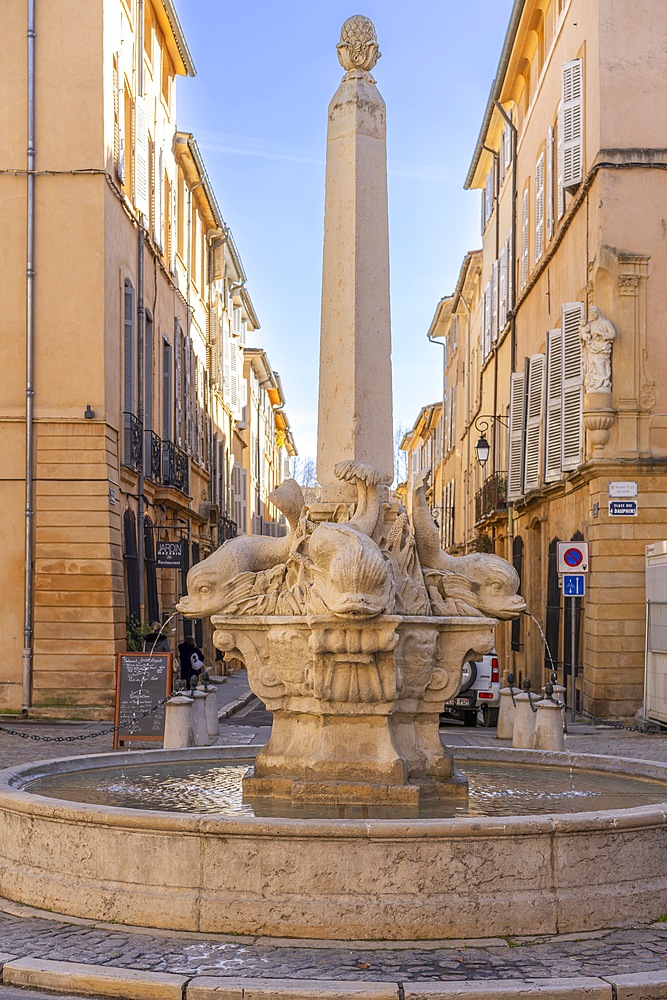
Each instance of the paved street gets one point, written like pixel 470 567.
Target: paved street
pixel 25 932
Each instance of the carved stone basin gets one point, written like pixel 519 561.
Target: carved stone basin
pixel 356 708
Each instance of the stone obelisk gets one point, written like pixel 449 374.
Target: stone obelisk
pixel 355 396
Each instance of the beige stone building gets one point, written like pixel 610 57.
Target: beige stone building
pixel 554 349
pixel 123 416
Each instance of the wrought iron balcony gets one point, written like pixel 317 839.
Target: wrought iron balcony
pixel 492 496
pixel 131 441
pixel 175 467
pixel 152 456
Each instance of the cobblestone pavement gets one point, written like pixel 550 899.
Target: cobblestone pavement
pixel 24 933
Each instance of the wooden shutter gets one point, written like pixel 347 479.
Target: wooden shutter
pixel 508 144
pixel 234 378
pixel 554 430
pixel 141 161
pixel 167 429
pixel 236 496
pixel 487 320
pixel 244 501
pixel 188 396
pixel 502 287
pixel 118 121
pixel 539 207
pixel 494 302
pixel 534 422
pixel 524 238
pixel 572 316
pixel 148 372
pixel 550 182
pixel 517 420
pixel 560 191
pixel 159 201
pixel 573 123
pixel 489 196
pixel 129 361
pixel 227 364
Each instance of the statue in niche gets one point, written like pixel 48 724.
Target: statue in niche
pixel 597 337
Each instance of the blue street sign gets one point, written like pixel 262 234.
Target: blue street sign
pixel 623 508
pixel 573 585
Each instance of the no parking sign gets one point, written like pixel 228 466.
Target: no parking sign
pixel 573 557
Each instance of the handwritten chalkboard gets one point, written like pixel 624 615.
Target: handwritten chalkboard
pixel 142 680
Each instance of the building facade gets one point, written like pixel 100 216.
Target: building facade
pixel 553 337
pixel 127 318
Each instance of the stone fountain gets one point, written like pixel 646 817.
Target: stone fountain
pixel 355 628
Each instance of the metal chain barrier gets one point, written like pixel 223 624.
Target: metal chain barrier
pixel 84 736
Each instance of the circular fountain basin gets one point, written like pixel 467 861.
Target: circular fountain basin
pixel 343 878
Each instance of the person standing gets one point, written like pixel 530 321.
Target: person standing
pixel 156 641
pixel 192 659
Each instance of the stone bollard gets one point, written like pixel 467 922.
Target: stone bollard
pixel 178 723
pixel 506 713
pixel 559 694
pixel 523 737
pixel 199 723
pixel 212 723
pixel 549 726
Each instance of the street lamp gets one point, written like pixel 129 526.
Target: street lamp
pixel 483 448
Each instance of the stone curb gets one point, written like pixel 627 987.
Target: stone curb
pixel 234 706
pixel 130 984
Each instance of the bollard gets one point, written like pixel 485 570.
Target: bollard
pixel 549 726
pixel 523 737
pixel 178 723
pixel 559 693
pixel 199 723
pixel 506 714
pixel 212 723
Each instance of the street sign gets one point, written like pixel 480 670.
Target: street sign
pixel 574 585
pixel 623 508
pixel 573 557
pixel 625 488
pixel 169 555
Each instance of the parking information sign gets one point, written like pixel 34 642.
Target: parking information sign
pixel 573 557
pixel 574 585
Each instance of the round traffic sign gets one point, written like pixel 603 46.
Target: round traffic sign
pixel 573 557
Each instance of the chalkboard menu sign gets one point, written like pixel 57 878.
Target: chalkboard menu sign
pixel 142 680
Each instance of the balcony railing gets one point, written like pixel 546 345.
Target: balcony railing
pixel 152 456
pixel 492 496
pixel 131 441
pixel 175 467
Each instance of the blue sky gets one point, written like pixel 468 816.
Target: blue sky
pixel 266 72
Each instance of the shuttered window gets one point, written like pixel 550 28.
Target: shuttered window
pixel 487 321
pixel 151 575
pixel 131 563
pixel 572 316
pixel 517 422
pixel 178 384
pixel 524 238
pixel 129 359
pixel 534 421
pixel 539 207
pixel 148 372
pixel 489 195
pixel 573 123
pixel 549 182
pixel 188 395
pixel 494 302
pixel 118 121
pixel 502 286
pixel 554 430
pixel 141 159
pixel 166 390
pixel 158 229
pixel 560 190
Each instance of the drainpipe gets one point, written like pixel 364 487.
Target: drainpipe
pixel 443 344
pixel 29 369
pixel 141 325
pixel 466 526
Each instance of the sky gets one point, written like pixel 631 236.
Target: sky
pixel 257 108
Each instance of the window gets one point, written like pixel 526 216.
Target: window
pixel 166 390
pixel 564 394
pixel 517 562
pixel 129 360
pixel 141 158
pixel 539 207
pixel 153 604
pixel 572 150
pixel 131 564
pixel 118 121
pixel 517 418
pixel 148 372
pixel 549 182
pixel 534 422
pixel 524 238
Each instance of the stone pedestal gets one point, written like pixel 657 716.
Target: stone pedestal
pixel 199 723
pixel 212 722
pixel 178 723
pixel 524 721
pixel 356 709
pixel 506 713
pixel 549 726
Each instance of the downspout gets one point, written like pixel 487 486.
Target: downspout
pixel 496 195
pixel 466 525
pixel 29 371
pixel 442 344
pixel 141 325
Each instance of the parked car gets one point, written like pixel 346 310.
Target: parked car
pixel 480 690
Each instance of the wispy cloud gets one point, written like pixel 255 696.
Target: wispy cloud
pixel 273 149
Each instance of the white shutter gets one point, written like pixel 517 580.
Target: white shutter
pixel 141 165
pixel 554 432
pixel 189 398
pixel 119 120
pixel 502 287
pixel 534 422
pixel 178 385
pixel 560 191
pixel 511 269
pixel 489 195
pixel 550 182
pixel 494 301
pixel 487 320
pixel 573 123
pixel 539 207
pixel 158 225
pixel 517 419
pixel 237 511
pixel 524 238
pixel 226 364
pixel 482 221
pixel 173 228
pixel 244 500
pixel 508 144
pixel 572 385
pixel 234 378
